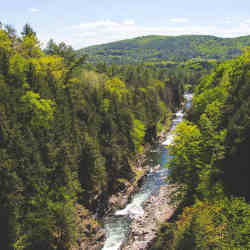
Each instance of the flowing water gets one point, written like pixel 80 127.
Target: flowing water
pixel 117 225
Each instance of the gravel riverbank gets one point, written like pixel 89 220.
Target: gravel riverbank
pixel 157 210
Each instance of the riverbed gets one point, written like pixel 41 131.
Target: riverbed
pixel 135 225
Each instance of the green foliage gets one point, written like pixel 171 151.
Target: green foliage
pixel 68 132
pixel 137 134
pixel 40 110
pixel 210 164
pixel 187 158
pixel 117 87
pixel 28 31
pixel 220 224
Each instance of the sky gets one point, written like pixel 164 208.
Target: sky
pixel 81 23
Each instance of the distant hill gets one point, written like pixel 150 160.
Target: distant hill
pixel 167 48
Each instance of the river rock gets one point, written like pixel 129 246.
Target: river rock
pixel 156 211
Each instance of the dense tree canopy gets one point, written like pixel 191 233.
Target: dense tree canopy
pixel 210 164
pixel 68 134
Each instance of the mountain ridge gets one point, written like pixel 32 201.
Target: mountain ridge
pixel 167 48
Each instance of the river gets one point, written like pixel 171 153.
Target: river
pixel 117 226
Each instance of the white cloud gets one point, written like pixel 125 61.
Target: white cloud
pixel 34 10
pixel 228 20
pixel 95 25
pixel 129 22
pixel 179 20
pixel 105 31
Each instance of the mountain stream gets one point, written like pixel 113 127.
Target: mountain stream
pixel 117 226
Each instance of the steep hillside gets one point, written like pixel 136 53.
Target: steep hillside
pixel 167 48
pixel 69 138
pixel 210 165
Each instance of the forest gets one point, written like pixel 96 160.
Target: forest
pixel 71 129
pixel 210 164
pixel 69 132
pixel 167 49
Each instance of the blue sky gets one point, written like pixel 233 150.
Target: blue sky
pixel 81 23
